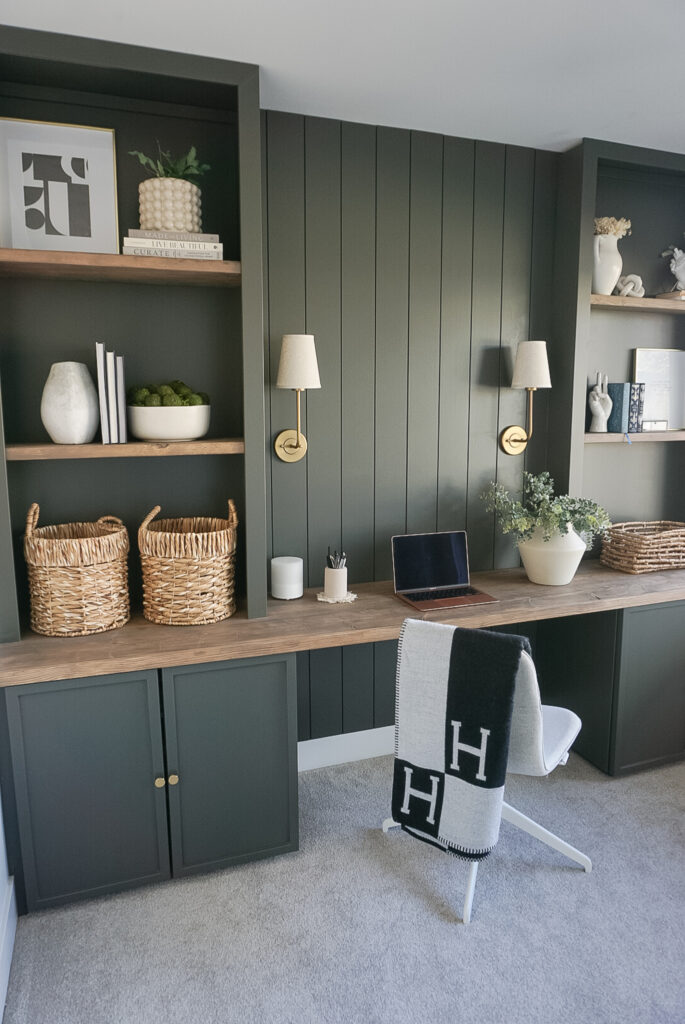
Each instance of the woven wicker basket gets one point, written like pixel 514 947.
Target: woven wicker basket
pixel 644 547
pixel 188 568
pixel 78 575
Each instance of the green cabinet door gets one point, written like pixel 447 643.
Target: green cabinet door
pixel 649 722
pixel 231 741
pixel 85 757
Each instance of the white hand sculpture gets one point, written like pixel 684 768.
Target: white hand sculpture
pixel 600 406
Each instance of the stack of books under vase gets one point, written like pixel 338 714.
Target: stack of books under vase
pixel 187 245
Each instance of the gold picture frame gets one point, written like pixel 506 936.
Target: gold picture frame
pixel 57 187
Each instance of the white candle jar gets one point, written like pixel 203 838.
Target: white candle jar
pixel 286 577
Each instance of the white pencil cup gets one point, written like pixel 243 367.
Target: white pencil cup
pixel 335 583
pixel 286 577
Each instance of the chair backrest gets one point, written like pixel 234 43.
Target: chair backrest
pixel 526 750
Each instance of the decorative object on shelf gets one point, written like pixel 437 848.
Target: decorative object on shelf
pixel 677 268
pixel 547 527
pixel 69 406
pixel 636 408
pixel 287 577
pixel 78 575
pixel 662 371
pixel 186 245
pixel 607 259
pixel 335 576
pixel 298 370
pixel 170 200
pixel 188 568
pixel 632 285
pixel 600 404
pixel 618 420
pixel 111 394
pixel 168 412
pixel 531 371
pixel 644 547
pixel 59 189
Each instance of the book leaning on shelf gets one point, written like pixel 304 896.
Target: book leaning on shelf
pixel 174 244
pixel 112 394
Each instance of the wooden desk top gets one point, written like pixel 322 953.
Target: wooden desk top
pixel 308 624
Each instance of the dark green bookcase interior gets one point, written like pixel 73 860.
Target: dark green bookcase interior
pixel 164 331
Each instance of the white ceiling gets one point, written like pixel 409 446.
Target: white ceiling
pixel 539 73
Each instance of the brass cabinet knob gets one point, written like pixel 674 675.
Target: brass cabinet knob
pixel 173 780
pixel 160 782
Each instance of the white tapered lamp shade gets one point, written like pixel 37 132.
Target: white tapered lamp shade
pixel 531 369
pixel 298 370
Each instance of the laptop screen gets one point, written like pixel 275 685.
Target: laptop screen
pixel 425 560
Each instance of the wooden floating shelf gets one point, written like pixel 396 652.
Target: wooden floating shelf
pixel 132 450
pixel 648 435
pixel 645 305
pixel 87 266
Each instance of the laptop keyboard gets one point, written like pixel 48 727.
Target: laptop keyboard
pixel 432 595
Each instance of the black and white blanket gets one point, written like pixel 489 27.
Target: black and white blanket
pixel 455 693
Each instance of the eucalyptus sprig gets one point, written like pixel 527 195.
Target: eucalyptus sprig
pixel 540 507
pixel 167 166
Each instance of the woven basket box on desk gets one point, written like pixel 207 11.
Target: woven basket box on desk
pixel 644 547
pixel 78 575
pixel 188 568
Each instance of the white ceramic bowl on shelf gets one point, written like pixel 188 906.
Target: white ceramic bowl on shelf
pixel 168 422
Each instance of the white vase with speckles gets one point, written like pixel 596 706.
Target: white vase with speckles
pixel 169 204
pixel 69 407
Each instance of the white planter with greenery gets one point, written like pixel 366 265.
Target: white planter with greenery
pixel 547 527
pixel 552 562
pixel 170 200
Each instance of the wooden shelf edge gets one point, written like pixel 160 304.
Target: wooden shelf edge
pixel 132 450
pixel 656 305
pixel 648 435
pixel 115 267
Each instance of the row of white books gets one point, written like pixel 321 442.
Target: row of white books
pixel 174 244
pixel 112 394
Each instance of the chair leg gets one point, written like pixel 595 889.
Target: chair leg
pixel 515 817
pixel 470 889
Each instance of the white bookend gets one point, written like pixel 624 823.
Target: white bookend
pixel 112 398
pixel 102 390
pixel 121 399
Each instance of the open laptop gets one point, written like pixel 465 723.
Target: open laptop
pixel 431 570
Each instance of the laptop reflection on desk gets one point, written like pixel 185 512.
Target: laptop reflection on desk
pixel 431 571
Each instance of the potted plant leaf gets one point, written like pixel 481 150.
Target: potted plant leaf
pixel 170 199
pixel 552 531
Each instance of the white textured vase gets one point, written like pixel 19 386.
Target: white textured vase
pixel 607 264
pixel 169 204
pixel 552 562
pixel 69 407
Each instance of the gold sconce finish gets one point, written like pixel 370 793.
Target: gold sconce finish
pixel 531 371
pixel 297 370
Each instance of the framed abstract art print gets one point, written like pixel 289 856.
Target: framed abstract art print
pixel 57 187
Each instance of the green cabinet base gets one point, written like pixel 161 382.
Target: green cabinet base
pixel 122 780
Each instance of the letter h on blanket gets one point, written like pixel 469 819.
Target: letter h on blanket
pixel 467 711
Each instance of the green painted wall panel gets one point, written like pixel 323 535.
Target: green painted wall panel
pixel 357 687
pixel 325 692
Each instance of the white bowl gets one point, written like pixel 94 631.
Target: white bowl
pixel 168 422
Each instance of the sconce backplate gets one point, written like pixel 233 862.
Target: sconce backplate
pixel 513 440
pixel 286 446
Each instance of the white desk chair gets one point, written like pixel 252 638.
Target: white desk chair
pixel 540 739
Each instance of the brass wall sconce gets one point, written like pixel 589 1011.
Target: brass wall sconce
pixel 531 371
pixel 297 370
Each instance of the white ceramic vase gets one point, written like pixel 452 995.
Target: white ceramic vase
pixel 69 407
pixel 169 204
pixel 552 562
pixel 607 264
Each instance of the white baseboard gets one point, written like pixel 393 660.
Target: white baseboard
pixel 350 746
pixel 8 927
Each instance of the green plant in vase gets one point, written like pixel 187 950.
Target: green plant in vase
pixel 552 531
pixel 170 200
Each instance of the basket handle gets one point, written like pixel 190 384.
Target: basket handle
pixel 32 518
pixel 232 514
pixel 110 521
pixel 148 518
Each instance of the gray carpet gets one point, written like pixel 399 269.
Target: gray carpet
pixel 363 928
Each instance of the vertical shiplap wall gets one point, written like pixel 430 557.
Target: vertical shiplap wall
pixel 418 262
